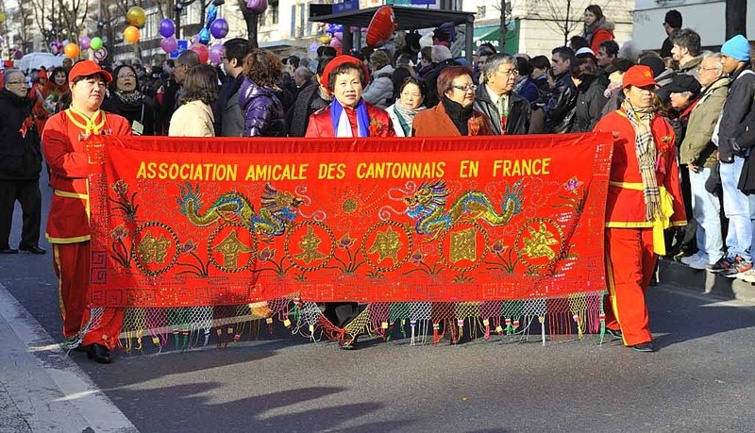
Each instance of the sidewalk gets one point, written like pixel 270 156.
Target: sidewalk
pixel 702 282
pixel 41 388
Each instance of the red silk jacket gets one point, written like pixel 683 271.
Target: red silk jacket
pixel 65 152
pixel 625 203
pixel 320 124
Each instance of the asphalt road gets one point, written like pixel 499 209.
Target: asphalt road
pixel 701 380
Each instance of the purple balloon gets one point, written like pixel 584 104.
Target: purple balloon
pixel 219 28
pixel 257 6
pixel 167 28
pixel 85 42
pixel 18 55
pixel 217 51
pixel 169 44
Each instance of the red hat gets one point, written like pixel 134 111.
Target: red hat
pixel 338 61
pixel 42 74
pixel 86 68
pixel 638 76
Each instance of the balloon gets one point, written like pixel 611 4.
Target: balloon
pixel 338 35
pixel 71 50
pixel 95 43
pixel 204 36
pixel 335 43
pixel 381 27
pixel 136 16
pixel 131 35
pixel 85 42
pixel 257 6
pixel 212 13
pixel 101 54
pixel 324 39
pixel 167 28
pixel 169 44
pixel 219 28
pixel 18 54
pixel 202 51
pixel 217 51
pixel 2 17
pixel 54 48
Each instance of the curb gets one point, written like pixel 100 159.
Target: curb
pixel 705 283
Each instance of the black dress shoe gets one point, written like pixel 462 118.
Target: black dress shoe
pixel 614 334
pixel 33 250
pixel 99 353
pixel 644 347
pixel 9 251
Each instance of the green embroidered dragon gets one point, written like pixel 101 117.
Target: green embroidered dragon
pixel 277 210
pixel 428 207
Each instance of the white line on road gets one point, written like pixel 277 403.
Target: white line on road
pixel 47 388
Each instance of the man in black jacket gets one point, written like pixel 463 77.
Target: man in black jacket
pixel 559 110
pixel 229 119
pixel 740 101
pixel 507 112
pixel 20 165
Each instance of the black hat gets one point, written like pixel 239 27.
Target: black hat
pixel 655 63
pixel 683 83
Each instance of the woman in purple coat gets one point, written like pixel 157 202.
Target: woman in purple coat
pixel 263 111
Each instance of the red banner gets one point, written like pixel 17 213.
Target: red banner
pixel 199 222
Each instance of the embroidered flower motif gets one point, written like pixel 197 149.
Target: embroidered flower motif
pixel 572 184
pixel 188 247
pixel 376 128
pixel 266 254
pixel 498 247
pixel 120 188
pixel 417 257
pixel 346 242
pixel 665 145
pixel 119 232
pixel 474 125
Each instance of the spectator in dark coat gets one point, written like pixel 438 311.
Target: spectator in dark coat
pixel 671 23
pixel 559 109
pixel 312 98
pixel 229 119
pixel 126 100
pixel 20 164
pixel 525 86
pixel 590 95
pixel 441 58
pixel 263 111
pixel 506 111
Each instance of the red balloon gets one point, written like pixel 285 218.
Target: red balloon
pixel 381 27
pixel 202 51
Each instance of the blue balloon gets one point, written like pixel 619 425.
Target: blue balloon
pixel 204 36
pixel 337 28
pixel 212 13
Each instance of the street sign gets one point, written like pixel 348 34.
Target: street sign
pixel 183 45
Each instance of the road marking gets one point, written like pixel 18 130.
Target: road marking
pixel 48 389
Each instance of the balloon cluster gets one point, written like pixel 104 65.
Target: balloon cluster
pixel 333 36
pixel 214 28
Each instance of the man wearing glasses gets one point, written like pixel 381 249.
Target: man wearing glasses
pixel 20 165
pixel 507 112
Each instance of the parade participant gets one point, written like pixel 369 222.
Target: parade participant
pixel 644 197
pixel 194 117
pixel 20 164
pixel 411 96
pixel 264 115
pixel 507 112
pixel 64 148
pixel 455 115
pixel 347 116
pixel 48 96
pixel 126 100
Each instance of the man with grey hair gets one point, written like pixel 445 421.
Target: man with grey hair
pixel 507 112
pixel 302 77
pixel 698 152
pixel 20 165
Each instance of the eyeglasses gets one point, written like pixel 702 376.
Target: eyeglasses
pixel 126 76
pixel 513 72
pixel 464 87
pixel 707 69
pixel 15 82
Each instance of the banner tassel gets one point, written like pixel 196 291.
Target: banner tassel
pixel 412 325
pixel 486 323
pixel 541 319
pixel 436 333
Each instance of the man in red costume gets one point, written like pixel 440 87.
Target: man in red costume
pixel 64 148
pixel 644 198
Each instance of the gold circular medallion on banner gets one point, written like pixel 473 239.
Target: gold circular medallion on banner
pixel 387 240
pixel 539 242
pixel 235 245
pixel 154 248
pixel 309 245
pixel 463 247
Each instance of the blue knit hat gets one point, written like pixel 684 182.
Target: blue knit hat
pixel 737 48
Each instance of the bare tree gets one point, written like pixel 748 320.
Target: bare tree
pixel 505 20
pixel 736 18
pixel 252 20
pixel 559 16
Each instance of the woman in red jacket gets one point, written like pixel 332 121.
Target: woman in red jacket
pixel 597 28
pixel 347 116
pixel 644 198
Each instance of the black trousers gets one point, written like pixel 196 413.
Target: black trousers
pixel 27 193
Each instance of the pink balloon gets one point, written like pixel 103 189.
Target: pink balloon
pixel 335 43
pixel 169 44
pixel 202 51
pixel 338 35
pixel 217 51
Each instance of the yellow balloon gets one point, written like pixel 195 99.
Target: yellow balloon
pixel 136 17
pixel 2 17
pixel 324 39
